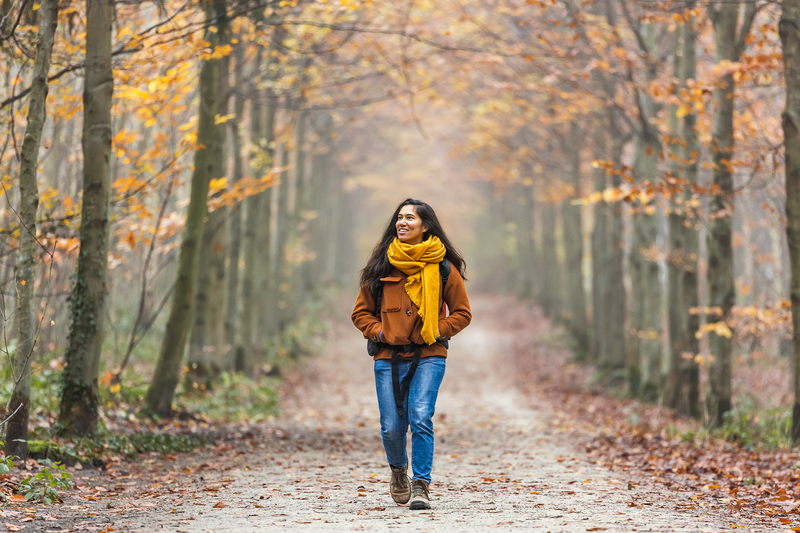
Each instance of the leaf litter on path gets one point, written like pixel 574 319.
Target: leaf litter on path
pixel 506 457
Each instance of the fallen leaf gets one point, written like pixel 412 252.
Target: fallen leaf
pixel 220 505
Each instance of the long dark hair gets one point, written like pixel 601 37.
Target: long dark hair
pixel 379 266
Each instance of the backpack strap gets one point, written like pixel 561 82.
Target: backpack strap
pixel 400 388
pixel 444 270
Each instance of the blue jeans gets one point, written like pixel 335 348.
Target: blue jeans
pixel 419 405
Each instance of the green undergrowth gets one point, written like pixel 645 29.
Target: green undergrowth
pixel 124 432
pixel 233 398
pixel 95 450
pixel 750 427
pixel 750 424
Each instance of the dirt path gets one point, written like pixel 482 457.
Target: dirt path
pixel 498 464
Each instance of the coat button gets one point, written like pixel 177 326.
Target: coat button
pixel 408 312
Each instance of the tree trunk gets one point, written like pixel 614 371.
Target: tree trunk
pixel 682 391
pixel 601 248
pixel 254 220
pixel 297 240
pixel 573 248
pixel 17 426
pixel 645 380
pixel 232 315
pixel 790 38
pixel 162 388
pixel 677 314
pixel 616 308
pixel 207 334
pixel 551 272
pixel 281 241
pixel 79 394
pixel 722 289
pixel 322 197
pixel 266 314
pixel 219 221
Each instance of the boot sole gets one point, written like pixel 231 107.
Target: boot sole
pixel 418 506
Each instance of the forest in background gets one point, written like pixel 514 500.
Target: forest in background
pixel 185 184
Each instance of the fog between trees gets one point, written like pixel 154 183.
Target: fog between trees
pixel 204 176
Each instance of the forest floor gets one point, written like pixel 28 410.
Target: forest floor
pixel 509 455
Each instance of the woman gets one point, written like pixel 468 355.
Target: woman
pixel 413 272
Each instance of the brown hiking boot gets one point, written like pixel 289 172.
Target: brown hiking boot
pixel 399 487
pixel 419 495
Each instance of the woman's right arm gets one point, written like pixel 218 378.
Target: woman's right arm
pixel 364 315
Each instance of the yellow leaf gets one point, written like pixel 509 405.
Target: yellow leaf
pixel 115 388
pixel 217 185
pixel 612 195
pixel 682 111
pixel 150 122
pixel 723 330
pixel 221 120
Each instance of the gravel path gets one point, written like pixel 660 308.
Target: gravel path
pixel 499 463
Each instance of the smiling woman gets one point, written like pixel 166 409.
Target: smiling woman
pixel 417 275
pixel 410 228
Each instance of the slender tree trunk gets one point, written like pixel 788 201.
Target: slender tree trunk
pixel 645 273
pixel 690 369
pixel 646 286
pixel 162 388
pixel 551 274
pixel 254 221
pixel 218 221
pixel 683 380
pixel 17 426
pixel 281 241
pixel 677 313
pixel 524 227
pixel 232 315
pixel 79 394
pixel 333 233
pixel 616 308
pixel 199 357
pixel 320 198
pixel 297 289
pixel 207 333
pixel 573 248
pixel 601 250
pixel 266 281
pixel 790 38
pixel 722 289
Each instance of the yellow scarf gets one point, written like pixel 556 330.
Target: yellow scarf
pixel 421 263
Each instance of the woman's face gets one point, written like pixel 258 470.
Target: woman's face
pixel 409 225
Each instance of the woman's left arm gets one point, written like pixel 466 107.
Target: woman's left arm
pixel 455 296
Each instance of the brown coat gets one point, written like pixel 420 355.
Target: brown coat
pixel 400 320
